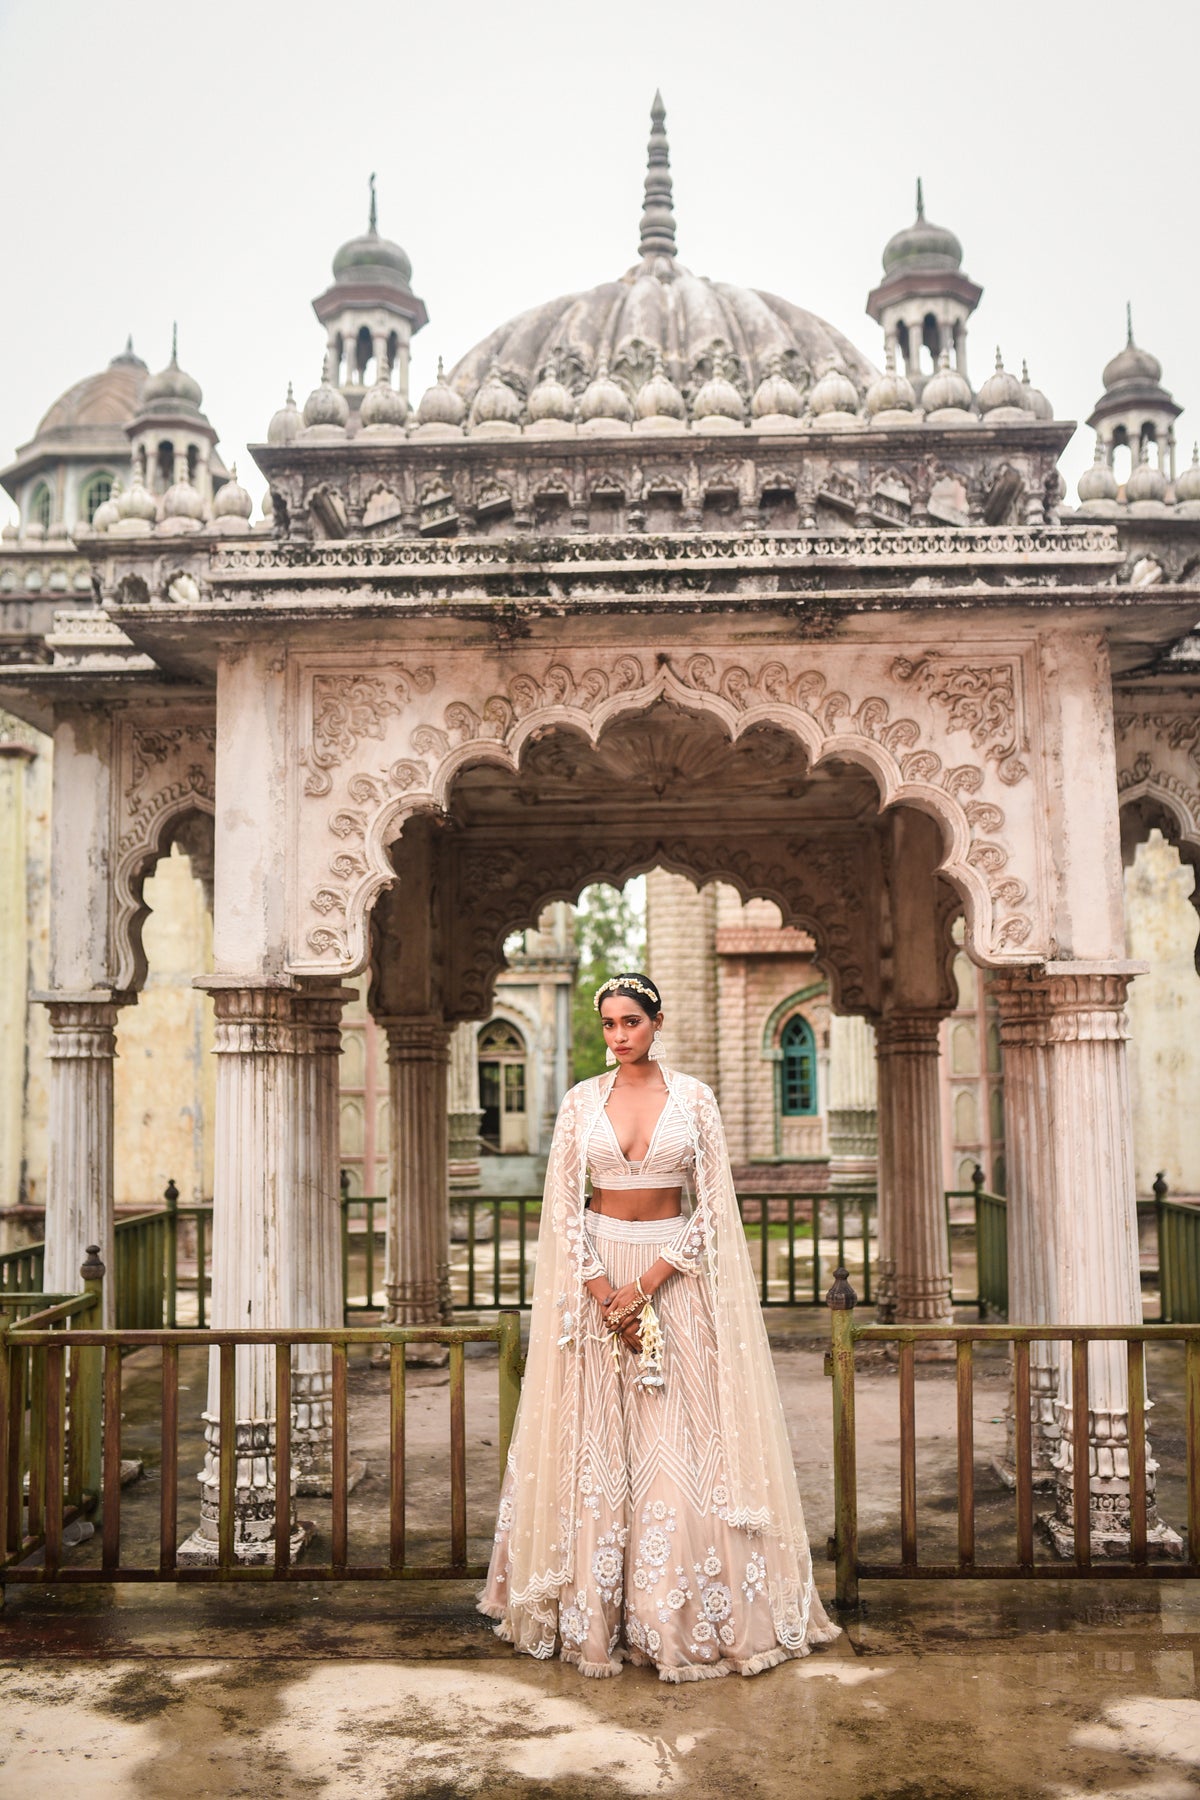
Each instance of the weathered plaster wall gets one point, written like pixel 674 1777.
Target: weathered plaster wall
pixel 1164 1017
pixel 679 954
pixel 165 1080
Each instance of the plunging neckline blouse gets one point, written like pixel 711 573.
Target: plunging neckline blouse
pixel 669 1154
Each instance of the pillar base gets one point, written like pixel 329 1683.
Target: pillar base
pixel 317 1482
pixel 200 1550
pixel 1110 1543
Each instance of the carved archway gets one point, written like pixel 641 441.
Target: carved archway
pixel 378 747
pixel 166 779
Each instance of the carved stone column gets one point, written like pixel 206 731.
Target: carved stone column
pixel 1080 1012
pixel 464 1110
pixel 1033 1256
pixel 316 1296
pixel 418 1247
pixel 912 1200
pixel 79 1187
pixel 853 1102
pixel 266 1124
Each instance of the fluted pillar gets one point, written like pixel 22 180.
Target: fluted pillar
pixel 1033 1256
pixel 317 1296
pixel 418 1246
pixel 266 1122
pixel 464 1111
pixel 853 1102
pixel 911 1198
pixel 1099 1268
pixel 79 1187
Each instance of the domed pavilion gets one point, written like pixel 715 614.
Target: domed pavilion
pixel 668 575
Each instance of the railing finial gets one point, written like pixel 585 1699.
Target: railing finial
pixel 841 1296
pixel 92 1268
pixel 1161 1189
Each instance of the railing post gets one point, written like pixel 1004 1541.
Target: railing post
pixel 1166 1308
pixel 510 1379
pixel 171 1196
pixel 86 1412
pixel 841 1301
pixel 344 1215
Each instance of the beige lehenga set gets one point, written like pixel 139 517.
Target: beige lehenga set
pixel 644 1521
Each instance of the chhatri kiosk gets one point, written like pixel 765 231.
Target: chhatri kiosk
pixel 664 574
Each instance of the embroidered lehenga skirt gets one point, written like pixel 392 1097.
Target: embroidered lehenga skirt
pixel 660 1576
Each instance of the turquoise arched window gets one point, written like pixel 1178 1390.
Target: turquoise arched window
pixel 798 1069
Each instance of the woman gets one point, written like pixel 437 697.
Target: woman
pixel 649 1512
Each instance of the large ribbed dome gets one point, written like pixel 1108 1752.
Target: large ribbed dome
pixel 109 398
pixel 700 327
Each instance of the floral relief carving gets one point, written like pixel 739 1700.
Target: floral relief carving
pixel 347 707
pixel 166 771
pixel 978 699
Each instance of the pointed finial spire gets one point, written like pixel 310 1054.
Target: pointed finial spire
pixel 174 343
pixel 999 361
pixel 372 224
pixel 291 399
pixel 441 374
pixel 920 198
pixel 658 217
pixel 1129 324
pixel 129 344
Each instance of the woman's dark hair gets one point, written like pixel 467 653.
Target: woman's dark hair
pixel 638 988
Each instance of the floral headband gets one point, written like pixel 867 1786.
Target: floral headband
pixel 625 981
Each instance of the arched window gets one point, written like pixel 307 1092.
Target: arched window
pixel 39 506
pixel 502 1054
pixel 798 1069
pixel 96 490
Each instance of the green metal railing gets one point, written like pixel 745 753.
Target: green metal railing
pixel 60 1444
pixel 850 1569
pixel 146 1266
pixel 1178 1258
pixel 991 1247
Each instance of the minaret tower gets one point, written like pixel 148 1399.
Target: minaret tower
pixel 1135 409
pixel 924 298
pixel 370 313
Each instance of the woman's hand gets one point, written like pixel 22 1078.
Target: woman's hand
pixel 629 1330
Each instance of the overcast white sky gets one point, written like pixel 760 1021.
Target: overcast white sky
pixel 204 163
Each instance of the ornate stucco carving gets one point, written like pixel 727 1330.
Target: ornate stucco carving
pixel 840 703
pixel 166 769
pixel 1158 759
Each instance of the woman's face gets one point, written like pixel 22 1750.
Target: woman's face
pixel 628 1031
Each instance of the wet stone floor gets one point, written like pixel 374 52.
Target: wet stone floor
pixel 936 1691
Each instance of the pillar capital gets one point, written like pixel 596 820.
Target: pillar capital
pixel 912 1032
pixel 1058 1004
pixel 81 1027
pixel 416 1038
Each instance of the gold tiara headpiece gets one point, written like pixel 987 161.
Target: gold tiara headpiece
pixel 624 981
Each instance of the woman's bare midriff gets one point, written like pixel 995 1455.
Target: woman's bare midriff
pixel 638 1205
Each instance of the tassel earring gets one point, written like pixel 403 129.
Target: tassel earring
pixel 610 1057
pixel 656 1052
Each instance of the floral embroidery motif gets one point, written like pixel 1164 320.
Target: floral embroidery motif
pixel 756 1577
pixel 717 1601
pixel 574 1621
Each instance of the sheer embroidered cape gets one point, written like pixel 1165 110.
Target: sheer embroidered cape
pixel 762 1495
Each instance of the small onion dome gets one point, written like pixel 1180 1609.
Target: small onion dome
pixel 1132 364
pixel 182 508
pixel 551 406
pixel 287 424
pixel 137 504
pixel 718 406
pixel 776 404
pixel 35 531
pixel 1187 487
pixel 659 405
pixel 1146 484
pixel 604 405
pixel 172 386
pixel 1098 485
pixel 1001 392
pixel 890 397
pixel 1034 400
pixel 384 408
pixel 57 530
pixel 106 513
pixel 497 408
pixel 442 408
pixel 833 402
pixel 268 505
pixel 326 408
pixel 232 501
pixel 10 534
pixel 946 396
pixel 922 245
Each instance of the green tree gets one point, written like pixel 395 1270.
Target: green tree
pixel 610 932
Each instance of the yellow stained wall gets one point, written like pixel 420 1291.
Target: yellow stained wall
pixel 165 1081
pixel 25 775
